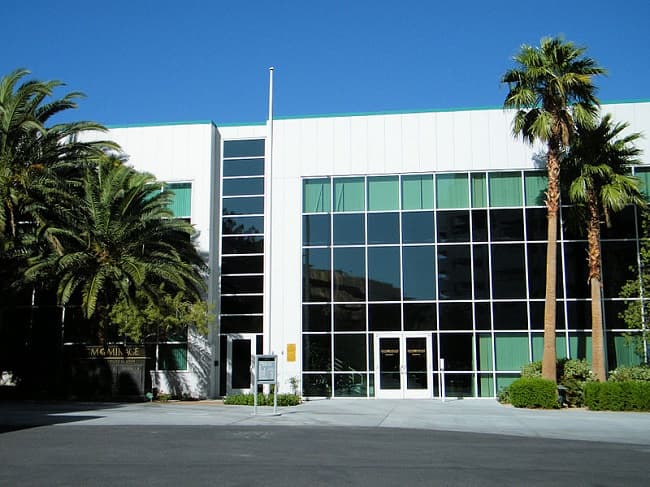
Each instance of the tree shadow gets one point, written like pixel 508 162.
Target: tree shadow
pixel 23 414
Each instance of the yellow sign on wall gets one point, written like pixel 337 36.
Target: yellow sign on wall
pixel 291 352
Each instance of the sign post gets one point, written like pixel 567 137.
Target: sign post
pixel 266 372
pixel 441 378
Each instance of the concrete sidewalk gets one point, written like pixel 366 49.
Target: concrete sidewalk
pixel 469 415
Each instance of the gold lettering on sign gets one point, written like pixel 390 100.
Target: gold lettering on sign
pixel 114 352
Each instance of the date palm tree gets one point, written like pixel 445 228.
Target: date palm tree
pixel 37 161
pixel 551 90
pixel 600 182
pixel 120 237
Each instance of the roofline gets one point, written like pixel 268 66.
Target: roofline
pixel 160 124
pixel 353 114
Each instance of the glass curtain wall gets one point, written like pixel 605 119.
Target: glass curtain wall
pixel 242 242
pixel 460 256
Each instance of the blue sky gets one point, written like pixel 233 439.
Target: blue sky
pixel 144 61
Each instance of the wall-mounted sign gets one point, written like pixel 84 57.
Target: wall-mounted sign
pixel 291 352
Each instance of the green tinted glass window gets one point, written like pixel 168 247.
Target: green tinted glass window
pixel 172 356
pixel 479 190
pixel 484 351
pixel 511 350
pixel 538 346
pixel 182 203
pixel 383 193
pixel 505 189
pixel 349 194
pixel 417 192
pixel 580 346
pixel 452 191
pixel 643 173
pixel 316 196
pixel 622 351
pixel 535 183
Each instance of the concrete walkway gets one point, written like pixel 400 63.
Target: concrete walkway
pixel 469 415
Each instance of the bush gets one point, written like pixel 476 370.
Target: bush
pixel 618 396
pixel 631 373
pixel 533 369
pixel 533 392
pixel 503 396
pixel 573 374
pixel 262 400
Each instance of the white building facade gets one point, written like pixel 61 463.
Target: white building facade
pixel 369 249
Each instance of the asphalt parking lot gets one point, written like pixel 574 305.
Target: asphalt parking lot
pixel 338 442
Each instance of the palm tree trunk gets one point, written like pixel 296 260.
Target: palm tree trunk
pixel 594 262
pixel 552 207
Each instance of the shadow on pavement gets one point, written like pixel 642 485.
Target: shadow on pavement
pixel 23 414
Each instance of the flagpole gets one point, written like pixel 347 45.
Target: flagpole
pixel 268 238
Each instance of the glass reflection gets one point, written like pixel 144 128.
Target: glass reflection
pixel 383 228
pixel 453 226
pixel 349 274
pixel 507 225
pixel 316 229
pixel 454 272
pixel 417 227
pixel 383 274
pixel 419 272
pixel 348 229
pixel 349 317
pixel 508 271
pixel 389 363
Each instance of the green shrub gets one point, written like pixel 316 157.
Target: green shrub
pixel 262 400
pixel 573 374
pixel 503 396
pixel 618 396
pixel 630 373
pixel 532 369
pixel 533 392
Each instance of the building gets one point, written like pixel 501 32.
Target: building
pixel 366 248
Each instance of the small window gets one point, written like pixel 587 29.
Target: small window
pixel 349 194
pixel 383 193
pixel 181 205
pixel 316 196
pixel 452 191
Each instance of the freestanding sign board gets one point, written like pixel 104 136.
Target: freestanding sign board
pixel 266 372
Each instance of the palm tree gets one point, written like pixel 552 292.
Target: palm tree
pixel 600 182
pixel 36 161
pixel 119 238
pixel 551 89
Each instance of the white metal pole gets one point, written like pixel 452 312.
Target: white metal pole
pixel 268 238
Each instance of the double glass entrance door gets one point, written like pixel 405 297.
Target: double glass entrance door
pixel 403 366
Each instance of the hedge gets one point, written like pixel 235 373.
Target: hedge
pixel 533 392
pixel 262 400
pixel 618 396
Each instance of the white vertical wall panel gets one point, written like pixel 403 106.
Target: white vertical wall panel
pixel 342 143
pixel 427 141
pixel 410 148
pixel 393 144
pixel 375 143
pixel 175 153
pixel 358 159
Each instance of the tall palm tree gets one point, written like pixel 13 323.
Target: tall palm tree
pixel 600 182
pixel 551 89
pixel 120 237
pixel 36 160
